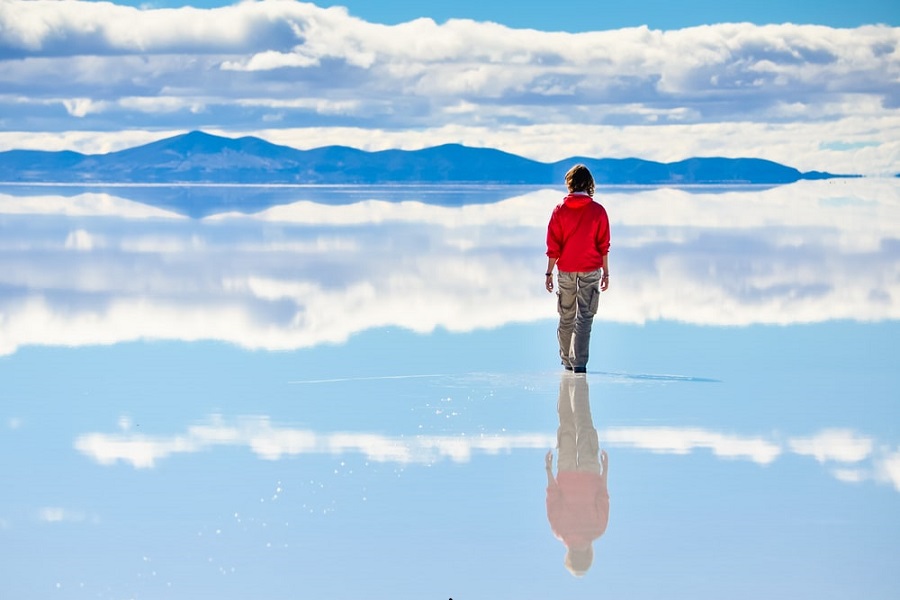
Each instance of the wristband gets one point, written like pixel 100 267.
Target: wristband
pixel 548 274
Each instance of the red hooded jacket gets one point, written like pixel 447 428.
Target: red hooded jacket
pixel 578 234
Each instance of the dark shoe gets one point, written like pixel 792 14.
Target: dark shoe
pixel 580 369
pixel 568 367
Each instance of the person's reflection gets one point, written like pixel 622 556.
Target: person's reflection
pixel 577 498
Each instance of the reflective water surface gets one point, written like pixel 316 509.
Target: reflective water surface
pixel 347 392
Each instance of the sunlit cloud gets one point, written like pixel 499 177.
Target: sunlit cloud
pixel 737 89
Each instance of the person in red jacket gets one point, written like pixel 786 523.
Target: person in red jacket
pixel 578 246
pixel 578 497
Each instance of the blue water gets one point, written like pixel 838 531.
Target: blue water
pixel 355 400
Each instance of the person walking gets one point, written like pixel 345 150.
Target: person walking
pixel 578 246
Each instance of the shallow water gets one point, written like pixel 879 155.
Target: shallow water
pixel 356 398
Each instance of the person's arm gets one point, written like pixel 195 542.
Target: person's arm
pixel 554 248
pixel 603 497
pixel 604 280
pixel 548 277
pixel 603 247
pixel 548 464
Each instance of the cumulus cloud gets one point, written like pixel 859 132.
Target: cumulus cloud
pixel 420 81
pixel 304 274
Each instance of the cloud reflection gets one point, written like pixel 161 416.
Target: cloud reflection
pixel 88 204
pixel 849 455
pixel 680 440
pixel 888 470
pixel 271 442
pixel 56 514
pixel 304 274
pixel 840 445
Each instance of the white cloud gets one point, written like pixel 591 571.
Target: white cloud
pixel 781 88
pixel 888 469
pixel 80 107
pixel 161 104
pixel 834 445
pixel 850 475
pixel 266 61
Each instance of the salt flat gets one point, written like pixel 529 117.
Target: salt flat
pixel 357 399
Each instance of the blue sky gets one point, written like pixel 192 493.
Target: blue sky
pixel 590 15
pixel 814 86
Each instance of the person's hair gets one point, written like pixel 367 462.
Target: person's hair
pixel 579 179
pixel 579 561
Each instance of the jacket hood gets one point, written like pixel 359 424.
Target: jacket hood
pixel 577 200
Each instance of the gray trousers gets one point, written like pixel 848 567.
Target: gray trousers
pixel 577 301
pixel 576 438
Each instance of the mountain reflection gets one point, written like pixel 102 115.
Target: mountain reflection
pixel 578 496
pixel 95 268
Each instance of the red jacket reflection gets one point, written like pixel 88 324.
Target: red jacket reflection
pixel 578 507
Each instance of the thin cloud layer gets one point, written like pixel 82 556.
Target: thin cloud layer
pixel 308 76
pixel 273 442
pixel 269 441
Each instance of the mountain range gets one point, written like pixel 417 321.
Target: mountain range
pixel 199 157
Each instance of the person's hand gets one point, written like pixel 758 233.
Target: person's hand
pixel 604 282
pixel 548 282
pixel 548 460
